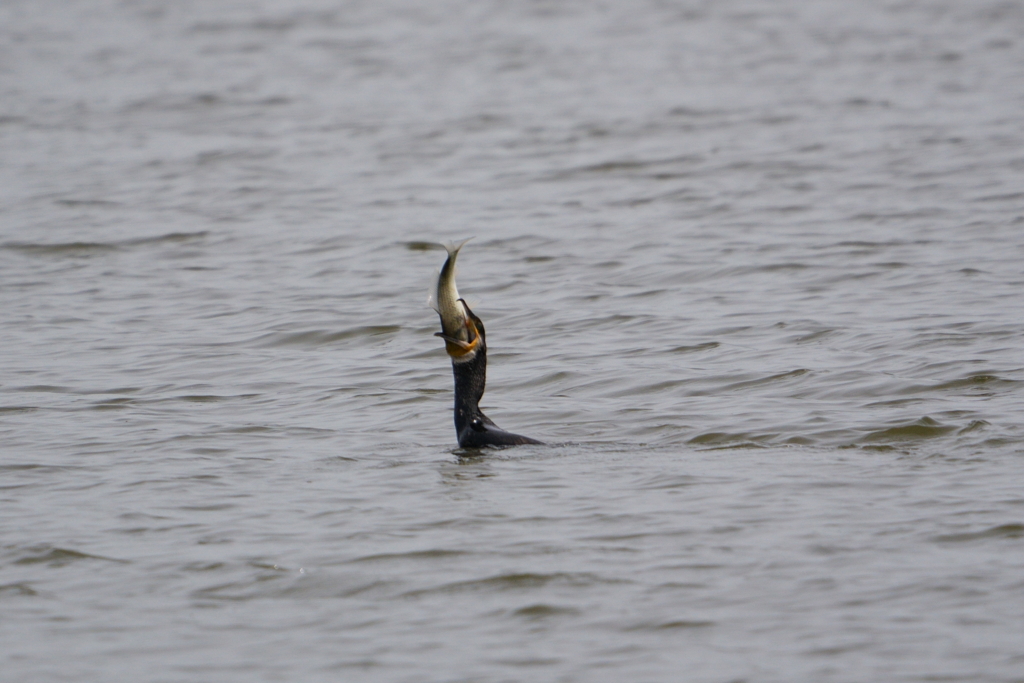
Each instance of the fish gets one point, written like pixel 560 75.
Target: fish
pixel 457 327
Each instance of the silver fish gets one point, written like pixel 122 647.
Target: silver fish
pixel 456 327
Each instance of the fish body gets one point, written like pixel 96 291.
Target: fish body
pixel 456 326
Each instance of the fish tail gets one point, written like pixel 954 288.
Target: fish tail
pixel 453 247
pixel 453 251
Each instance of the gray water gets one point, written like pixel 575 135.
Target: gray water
pixel 752 269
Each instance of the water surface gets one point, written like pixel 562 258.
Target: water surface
pixel 753 270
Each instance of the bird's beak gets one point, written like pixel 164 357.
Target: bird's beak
pixel 457 348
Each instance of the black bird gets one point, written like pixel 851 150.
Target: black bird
pixel 466 343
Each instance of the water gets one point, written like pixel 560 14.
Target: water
pixel 752 269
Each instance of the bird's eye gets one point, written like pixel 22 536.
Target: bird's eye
pixel 476 424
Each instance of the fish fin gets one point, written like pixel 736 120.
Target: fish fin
pixel 432 294
pixel 453 340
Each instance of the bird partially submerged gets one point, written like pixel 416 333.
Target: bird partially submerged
pixel 466 344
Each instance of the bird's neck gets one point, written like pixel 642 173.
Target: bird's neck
pixel 470 378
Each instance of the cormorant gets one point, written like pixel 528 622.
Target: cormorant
pixel 466 344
